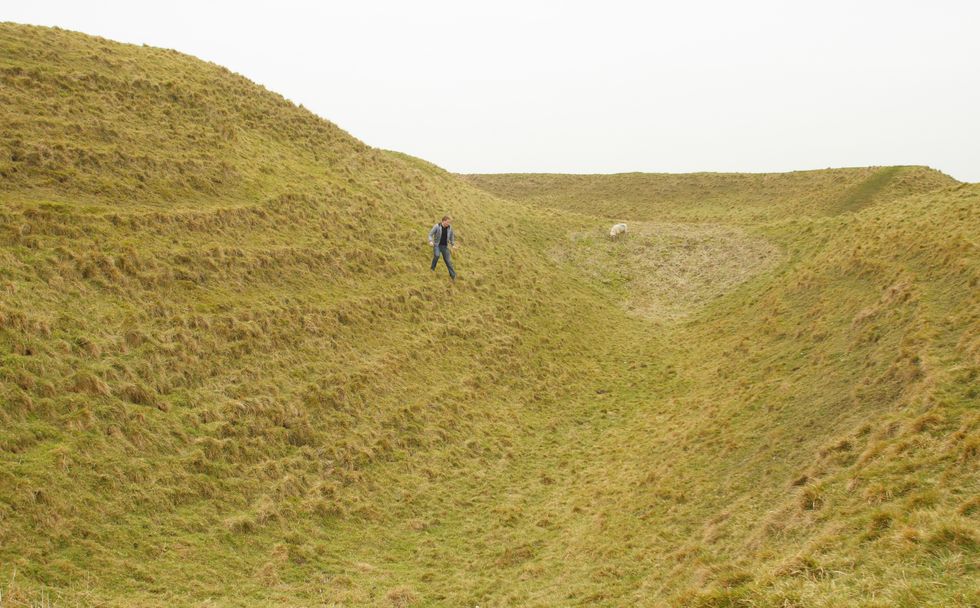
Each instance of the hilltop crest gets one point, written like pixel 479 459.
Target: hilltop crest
pixel 715 197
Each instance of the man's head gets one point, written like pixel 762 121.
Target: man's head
pixel 446 220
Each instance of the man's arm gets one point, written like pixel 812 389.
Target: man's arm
pixel 432 235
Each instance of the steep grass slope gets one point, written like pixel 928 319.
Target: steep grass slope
pixel 220 336
pixel 228 377
pixel 715 197
pixel 817 442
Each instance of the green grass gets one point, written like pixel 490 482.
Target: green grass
pixel 215 391
pixel 731 198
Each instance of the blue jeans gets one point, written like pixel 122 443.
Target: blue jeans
pixel 446 256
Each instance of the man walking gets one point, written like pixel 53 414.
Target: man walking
pixel 442 240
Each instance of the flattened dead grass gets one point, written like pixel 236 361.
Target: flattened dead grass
pixel 668 271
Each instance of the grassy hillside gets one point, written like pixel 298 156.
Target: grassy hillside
pixel 220 336
pixel 715 197
pixel 818 443
pixel 228 377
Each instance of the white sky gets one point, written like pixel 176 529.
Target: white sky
pixel 597 87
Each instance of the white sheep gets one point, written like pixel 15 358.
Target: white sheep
pixel 617 230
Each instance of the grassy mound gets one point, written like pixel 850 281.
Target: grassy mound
pixel 220 335
pixel 228 377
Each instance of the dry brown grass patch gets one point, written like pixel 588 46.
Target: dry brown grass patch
pixel 672 270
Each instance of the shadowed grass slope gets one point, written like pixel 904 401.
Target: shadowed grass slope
pixel 228 378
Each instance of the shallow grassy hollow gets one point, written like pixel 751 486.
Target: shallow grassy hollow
pixel 216 391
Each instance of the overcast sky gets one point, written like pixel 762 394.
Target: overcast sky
pixel 597 87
